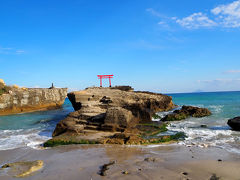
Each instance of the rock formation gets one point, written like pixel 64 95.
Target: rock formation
pixel 23 169
pixel 14 99
pixel 109 109
pixel 185 112
pixel 234 123
pixel 103 112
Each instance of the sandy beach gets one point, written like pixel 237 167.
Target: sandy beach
pixel 132 162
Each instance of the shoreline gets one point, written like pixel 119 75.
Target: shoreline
pixel 137 162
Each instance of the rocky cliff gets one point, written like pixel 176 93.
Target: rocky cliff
pixel 17 100
pixel 101 111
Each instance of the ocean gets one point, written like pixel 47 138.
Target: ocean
pixel 212 130
pixel 32 129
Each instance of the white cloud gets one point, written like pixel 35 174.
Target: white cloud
pixel 228 15
pixel 142 44
pixel 232 71
pixel 195 21
pixel 6 50
pixel 221 84
pixel 220 81
pixel 20 51
pixel 222 16
pixel 161 22
pixel 153 12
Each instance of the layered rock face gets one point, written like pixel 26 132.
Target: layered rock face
pixel 18 100
pixel 111 110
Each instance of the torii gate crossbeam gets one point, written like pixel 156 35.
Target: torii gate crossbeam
pixel 105 77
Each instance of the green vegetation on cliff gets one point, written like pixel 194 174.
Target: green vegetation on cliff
pixel 2 89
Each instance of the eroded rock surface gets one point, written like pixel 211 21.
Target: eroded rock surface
pixel 110 110
pixel 185 112
pixel 14 99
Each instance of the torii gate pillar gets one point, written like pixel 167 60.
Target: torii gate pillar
pixel 105 77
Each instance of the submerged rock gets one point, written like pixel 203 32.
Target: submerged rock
pixel 214 177
pixel 105 167
pixel 150 159
pixel 125 172
pixel 234 123
pixel 185 112
pixel 22 169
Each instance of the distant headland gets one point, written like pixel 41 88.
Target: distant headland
pixel 14 99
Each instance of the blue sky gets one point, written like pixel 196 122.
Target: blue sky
pixel 162 46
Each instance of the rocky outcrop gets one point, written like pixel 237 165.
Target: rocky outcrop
pixel 123 88
pixel 108 109
pixel 18 100
pixel 112 116
pixel 23 169
pixel 185 112
pixel 234 123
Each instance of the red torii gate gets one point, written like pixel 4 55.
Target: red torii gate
pixel 105 77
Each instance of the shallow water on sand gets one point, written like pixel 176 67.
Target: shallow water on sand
pixel 30 129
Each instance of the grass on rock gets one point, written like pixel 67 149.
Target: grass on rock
pixel 152 129
pixel 156 116
pixel 58 142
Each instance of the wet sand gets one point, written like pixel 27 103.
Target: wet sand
pixel 132 162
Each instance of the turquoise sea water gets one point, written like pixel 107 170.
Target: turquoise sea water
pixel 32 129
pixel 215 132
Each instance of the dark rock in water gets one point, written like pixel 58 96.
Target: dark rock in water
pixel 234 123
pixel 150 159
pixel 214 177
pixel 125 172
pixel 105 167
pixel 186 112
pixel 175 117
pixel 203 126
